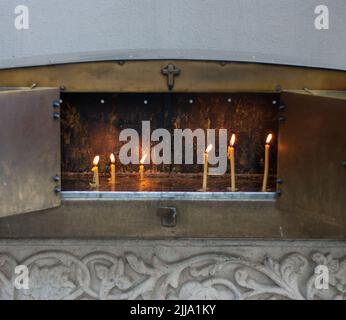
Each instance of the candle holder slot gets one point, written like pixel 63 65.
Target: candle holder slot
pixel 90 128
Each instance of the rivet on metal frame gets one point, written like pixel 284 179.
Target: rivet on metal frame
pixel 56 104
pixel 56 115
pixel 57 190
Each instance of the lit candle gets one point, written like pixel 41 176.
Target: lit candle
pixel 232 163
pixel 205 169
pixel 153 158
pixel 141 168
pixel 266 162
pixel 95 170
pixel 112 157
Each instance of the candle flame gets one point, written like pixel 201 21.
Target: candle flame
pixel 96 160
pixel 209 148
pixel 143 158
pixel 232 141
pixel 112 157
pixel 269 138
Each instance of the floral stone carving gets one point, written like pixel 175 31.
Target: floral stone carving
pixel 60 274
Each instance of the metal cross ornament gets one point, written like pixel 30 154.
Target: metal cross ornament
pixel 170 71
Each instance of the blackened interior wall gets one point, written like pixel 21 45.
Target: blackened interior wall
pixel 91 124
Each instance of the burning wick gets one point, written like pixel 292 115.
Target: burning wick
pixel 112 158
pixel 205 169
pixel 95 170
pixel 266 162
pixel 232 162
pixel 141 168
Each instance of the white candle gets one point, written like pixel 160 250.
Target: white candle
pixel 205 168
pixel 95 170
pixel 266 162
pixel 232 162
pixel 141 168
pixel 112 158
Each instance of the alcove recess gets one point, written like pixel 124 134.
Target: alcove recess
pixel 91 124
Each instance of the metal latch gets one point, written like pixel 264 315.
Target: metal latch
pixel 168 216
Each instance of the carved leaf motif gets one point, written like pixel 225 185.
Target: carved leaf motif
pixel 172 276
pixel 7 263
pixel 194 290
pixel 291 267
pixel 102 275
pixel 79 275
pixel 342 269
pixel 319 258
pixel 327 260
pixel 341 287
pixel 337 274
pixel 123 282
pixel 101 271
pixel 138 265
pixel 243 279
pixel 283 275
pixel 159 264
pixel 50 282
pixel 333 266
pixel 209 269
pixel 2 260
pixel 112 277
pixel 173 279
pixel 121 267
pixel 272 265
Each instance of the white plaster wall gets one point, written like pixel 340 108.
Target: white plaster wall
pixel 271 31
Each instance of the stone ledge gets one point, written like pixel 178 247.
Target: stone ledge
pixel 172 269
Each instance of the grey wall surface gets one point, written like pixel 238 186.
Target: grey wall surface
pixel 269 31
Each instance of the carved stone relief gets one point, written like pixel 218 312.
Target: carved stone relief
pixel 172 270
